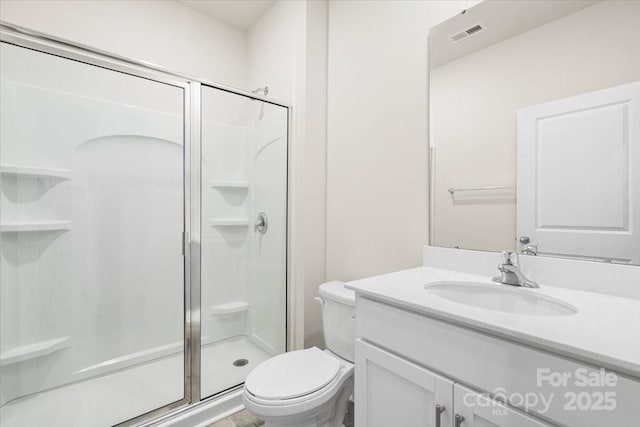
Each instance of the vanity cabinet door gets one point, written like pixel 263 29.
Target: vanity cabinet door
pixel 391 391
pixel 473 409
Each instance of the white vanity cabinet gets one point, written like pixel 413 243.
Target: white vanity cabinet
pixel 473 409
pixel 408 362
pixel 393 391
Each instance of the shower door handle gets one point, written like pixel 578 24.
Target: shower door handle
pixel 262 223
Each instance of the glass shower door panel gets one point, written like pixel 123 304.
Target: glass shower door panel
pixel 244 223
pixel 91 216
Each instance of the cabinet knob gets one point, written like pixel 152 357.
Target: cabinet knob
pixel 439 410
pixel 459 419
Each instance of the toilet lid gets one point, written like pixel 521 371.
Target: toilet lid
pixel 292 374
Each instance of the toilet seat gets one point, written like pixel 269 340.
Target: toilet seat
pixel 301 404
pixel 293 375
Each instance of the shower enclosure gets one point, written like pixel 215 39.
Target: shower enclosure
pixel 143 237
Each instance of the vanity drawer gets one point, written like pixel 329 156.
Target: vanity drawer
pixel 539 382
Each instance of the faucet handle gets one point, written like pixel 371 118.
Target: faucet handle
pixel 510 258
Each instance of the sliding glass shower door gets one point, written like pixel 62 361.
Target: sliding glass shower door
pixel 244 236
pixel 143 237
pixel 92 286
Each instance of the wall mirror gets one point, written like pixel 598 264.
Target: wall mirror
pixel 535 129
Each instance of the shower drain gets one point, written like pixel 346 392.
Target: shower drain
pixel 240 362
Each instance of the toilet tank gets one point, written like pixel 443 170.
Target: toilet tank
pixel 338 318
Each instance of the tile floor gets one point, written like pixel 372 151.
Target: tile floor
pixel 246 419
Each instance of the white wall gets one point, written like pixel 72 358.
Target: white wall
pixel 165 33
pixel 377 134
pixel 592 49
pixel 275 51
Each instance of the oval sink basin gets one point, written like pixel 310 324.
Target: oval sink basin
pixel 500 298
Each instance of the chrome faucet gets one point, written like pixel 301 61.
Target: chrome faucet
pixel 527 247
pixel 510 273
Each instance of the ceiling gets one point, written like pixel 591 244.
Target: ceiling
pixel 501 20
pixel 238 13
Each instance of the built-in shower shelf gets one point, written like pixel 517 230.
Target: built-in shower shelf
pixel 31 351
pixel 229 308
pixel 229 222
pixel 24 171
pixel 19 227
pixel 238 184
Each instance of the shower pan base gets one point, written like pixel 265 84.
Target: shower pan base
pixel 113 398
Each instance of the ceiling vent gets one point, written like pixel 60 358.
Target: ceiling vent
pixel 475 29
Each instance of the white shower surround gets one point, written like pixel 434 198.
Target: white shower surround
pixel 127 119
pixel 243 142
pixel 62 285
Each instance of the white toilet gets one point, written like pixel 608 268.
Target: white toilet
pixel 309 388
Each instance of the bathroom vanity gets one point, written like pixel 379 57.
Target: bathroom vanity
pixel 439 347
pixel 532 148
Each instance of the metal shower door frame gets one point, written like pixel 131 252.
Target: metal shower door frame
pixel 191 86
pixel 74 53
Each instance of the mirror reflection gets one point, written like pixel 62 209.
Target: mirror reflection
pixel 535 129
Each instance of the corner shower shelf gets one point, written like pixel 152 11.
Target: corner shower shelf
pixel 24 171
pixel 31 351
pixel 229 308
pixel 18 227
pixel 229 222
pixel 239 184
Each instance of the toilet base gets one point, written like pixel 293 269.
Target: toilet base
pixel 331 414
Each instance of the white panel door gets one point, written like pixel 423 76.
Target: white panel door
pixel 578 166
pixel 475 410
pixel 392 391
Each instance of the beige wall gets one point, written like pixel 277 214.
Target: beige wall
pixel 165 33
pixel 314 169
pixel 475 100
pixel 377 134
pixel 281 39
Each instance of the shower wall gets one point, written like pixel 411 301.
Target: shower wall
pixel 278 51
pixel 91 265
pixel 244 173
pixel 92 220
pixel 226 139
pixel 266 294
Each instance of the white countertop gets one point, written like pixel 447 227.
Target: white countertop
pixel 604 332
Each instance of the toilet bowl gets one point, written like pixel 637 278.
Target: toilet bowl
pixel 309 388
